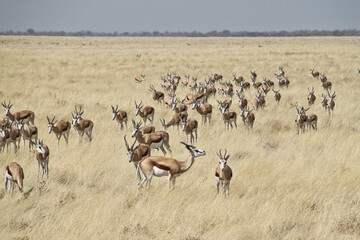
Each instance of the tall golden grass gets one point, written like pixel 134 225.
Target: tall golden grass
pixel 285 186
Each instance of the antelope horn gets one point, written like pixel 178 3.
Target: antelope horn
pixel 126 143
pixel 52 121
pixel 132 146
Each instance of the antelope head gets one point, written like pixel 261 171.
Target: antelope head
pixel 275 92
pixel 115 111
pixel 21 124
pixel 138 108
pixel 222 159
pixel 152 89
pixel 136 128
pixel 51 123
pixel 195 152
pixel 183 121
pixel 39 146
pixel 130 151
pixel 6 107
pixel 331 97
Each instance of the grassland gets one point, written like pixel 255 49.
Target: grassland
pixel 285 186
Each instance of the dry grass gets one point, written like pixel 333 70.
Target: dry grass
pixel 285 186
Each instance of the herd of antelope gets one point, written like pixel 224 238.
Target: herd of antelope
pixel 22 124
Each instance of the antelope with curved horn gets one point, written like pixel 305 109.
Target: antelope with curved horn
pixel 259 101
pixel 311 97
pixel 170 101
pixel 243 102
pixel 120 116
pixel 179 108
pixel 237 80
pixel 193 85
pixel 277 96
pixel 144 112
pixel 154 140
pixel 175 120
pixel 80 125
pixel 205 110
pixel 140 79
pixel 331 104
pixel 229 117
pixel 42 156
pixel 25 115
pixel 189 126
pixel 161 166
pixel 253 80
pixel 144 130
pixel 325 83
pixel 60 128
pixel 14 136
pixel 5 136
pixel 185 82
pixel 314 74
pixel 223 173
pixel 248 118
pixel 15 174
pixel 157 96
pixel 28 132
pixel 301 119
pixel 137 154
pixel 324 102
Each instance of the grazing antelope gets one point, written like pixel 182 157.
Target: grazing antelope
pixel 120 116
pixel 153 140
pixel 82 126
pixel 325 83
pixel 175 120
pixel 137 154
pixel 248 118
pixel 229 117
pixel 223 174
pixel 28 132
pixel 157 96
pixel 311 97
pixel 277 96
pixel 161 166
pixel 185 82
pixel 205 110
pixel 140 79
pixel 25 115
pixel 331 104
pixel 42 156
pixel 189 126
pixel 314 74
pixel 60 128
pixel 144 112
pixel 15 174
pixel 324 102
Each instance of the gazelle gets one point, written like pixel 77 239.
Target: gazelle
pixel 277 96
pixel 82 126
pixel 15 174
pixel 331 104
pixel 144 112
pixel 259 101
pixel 120 116
pixel 153 140
pixel 189 126
pixel 161 166
pixel 140 79
pixel 268 83
pixel 314 74
pixel 311 97
pixel 42 156
pixel 28 132
pixel 325 83
pixel 205 110
pixel 25 115
pixel 175 120
pixel 223 173
pixel 216 77
pixel 324 102
pixel 15 136
pixel 248 118
pixel 229 117
pixel 157 96
pixel 60 128
pixel 5 137
pixel 136 154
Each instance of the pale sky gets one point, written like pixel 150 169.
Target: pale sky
pixel 176 15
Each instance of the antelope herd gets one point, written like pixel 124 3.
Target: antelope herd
pixel 22 124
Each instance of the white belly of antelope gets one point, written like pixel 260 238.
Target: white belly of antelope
pixel 156 145
pixel 159 172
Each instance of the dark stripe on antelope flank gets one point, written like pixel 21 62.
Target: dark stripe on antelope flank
pixel 163 167
pixel 216 174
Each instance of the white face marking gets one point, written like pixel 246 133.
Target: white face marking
pixel 199 152
pixel 40 149
pixel 193 106
pixel 114 116
pixel 50 128
pixel 159 172
pixel 134 133
pixel 74 121
pixel 20 126
pixel 2 133
pixel 222 164
pixel 130 155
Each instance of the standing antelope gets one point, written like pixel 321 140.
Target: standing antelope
pixel 25 115
pixel 193 85
pixel 243 102
pixel 179 108
pixel 42 156
pixel 161 166
pixel 171 100
pixel 229 117
pixel 268 83
pixel 223 174
pixel 60 128
pixel 15 174
pixel 175 120
pixel 120 116
pixel 144 130
pixel 248 118
pixel 253 80
pixel 236 79
pixel 205 110
pixel 314 74
pixel 157 96
pixel 144 112
pixel 28 132
pixel 185 82
pixel 281 71
pixel 189 126
pixel 259 101
pixel 82 126
pixel 277 96
pixel 15 136
pixel 331 104
pixel 137 154
pixel 140 79
pixel 301 119
pixel 153 140
pixel 324 102
pixel 325 83
pixel 311 97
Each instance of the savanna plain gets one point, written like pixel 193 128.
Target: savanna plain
pixel 285 185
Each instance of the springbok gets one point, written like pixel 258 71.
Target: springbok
pixel 253 80
pixel 301 119
pixel 331 104
pixel 189 126
pixel 205 110
pixel 185 82
pixel 324 102
pixel 140 79
pixel 216 77
pixel 259 101
pixel 15 136
pixel 175 120
pixel 42 156
pixel 277 96
pixel 144 112
pixel 161 166
pixel 144 130
pixel 311 97
pixel 268 83
pixel 325 83
pixel 248 118
pixel 193 85
pixel 157 96
pixel 179 108
pixel 243 102
pixel 15 174
pixel 82 126
pixel 237 80
pixel 281 71
pixel 229 117
pixel 153 140
pixel 314 74
pixel 25 115
pixel 223 173
pixel 136 154
pixel 28 132
pixel 60 128
pixel 120 116
pixel 170 101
